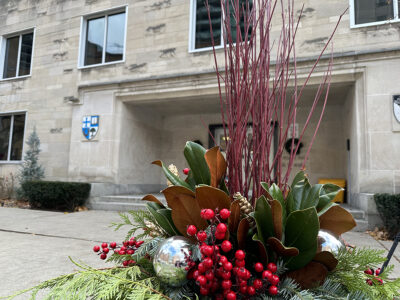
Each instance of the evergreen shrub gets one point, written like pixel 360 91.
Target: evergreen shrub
pixel 57 195
pixel 389 209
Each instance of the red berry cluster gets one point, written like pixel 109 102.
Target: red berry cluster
pixel 370 271
pixel 127 248
pixel 221 271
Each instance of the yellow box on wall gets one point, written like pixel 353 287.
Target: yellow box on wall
pixel 340 182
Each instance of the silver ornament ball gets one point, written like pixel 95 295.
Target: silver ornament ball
pixel 328 242
pixel 170 261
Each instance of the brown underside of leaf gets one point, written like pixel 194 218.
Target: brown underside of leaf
pixel 327 259
pixel 262 253
pixel 280 249
pixel 337 220
pixel 217 165
pixel 234 218
pixel 157 162
pixel 243 230
pixel 276 208
pixel 185 209
pixel 152 198
pixel 210 197
pixel 310 276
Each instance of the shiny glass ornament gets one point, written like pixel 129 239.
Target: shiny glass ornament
pixel 171 260
pixel 328 242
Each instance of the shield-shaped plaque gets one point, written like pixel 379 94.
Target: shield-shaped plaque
pixel 396 107
pixel 90 126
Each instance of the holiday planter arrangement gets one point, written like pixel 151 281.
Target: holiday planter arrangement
pixel 238 225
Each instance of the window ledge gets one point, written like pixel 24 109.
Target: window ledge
pixel 101 65
pixel 10 162
pixel 207 49
pixel 15 78
pixel 374 23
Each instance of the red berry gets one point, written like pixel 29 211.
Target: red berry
pixel 103 256
pixel 224 213
pixel 121 252
pixel 228 266
pixel 113 245
pixel 131 243
pixel 203 291
pixel 226 284
pixel 104 245
pixel 226 275
pixel 257 284
pixel 272 267
pixel 208 263
pixel 258 267
pixel 191 230
pixel 221 227
pixel 139 243
pixel 242 273
pixel 126 243
pixel 207 250
pixel 208 214
pixel 210 275
pixel 378 271
pixel 230 296
pixel 226 246
pixel 251 290
pixel 196 274
pixel 186 171
pixel 201 280
pixel 273 290
pixel 125 263
pixel 267 275
pixel 380 281
pixel 240 254
pixel 274 280
pixel 201 267
pixel 240 263
pixel 219 235
pixel 96 248
pixel 369 282
pixel 130 251
pixel 243 289
pixel 248 274
pixel 106 250
pixel 223 259
pixel 201 236
pixel 123 248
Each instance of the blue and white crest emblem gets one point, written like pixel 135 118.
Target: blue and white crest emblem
pixel 90 126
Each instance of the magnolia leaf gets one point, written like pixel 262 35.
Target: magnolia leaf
pixel 190 180
pixel 264 185
pixel 167 213
pixel 310 276
pixel 280 249
pixel 210 197
pixel 327 259
pixel 337 220
pixel 295 195
pixel 311 196
pixel 194 154
pixel 327 194
pixel 234 218
pixel 262 251
pixel 175 180
pixel 277 218
pixel 301 232
pixel 185 209
pixel 263 216
pixel 242 232
pixel 152 198
pixel 216 164
pixel 161 219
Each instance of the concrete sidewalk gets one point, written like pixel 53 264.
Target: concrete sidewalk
pixel 35 245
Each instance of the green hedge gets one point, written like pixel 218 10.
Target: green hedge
pixel 56 194
pixel 389 209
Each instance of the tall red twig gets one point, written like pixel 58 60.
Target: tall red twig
pixel 260 91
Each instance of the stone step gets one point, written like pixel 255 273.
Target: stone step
pixel 120 202
pixel 358 214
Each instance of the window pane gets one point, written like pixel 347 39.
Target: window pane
pixel 367 11
pixel 203 35
pixel 11 57
pixel 5 122
pixel 243 10
pixel 17 137
pixel 94 41
pixel 115 37
pixel 26 54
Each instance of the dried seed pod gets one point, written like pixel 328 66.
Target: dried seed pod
pixel 154 230
pixel 245 206
pixel 174 170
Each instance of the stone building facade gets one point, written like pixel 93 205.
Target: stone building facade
pixel 153 89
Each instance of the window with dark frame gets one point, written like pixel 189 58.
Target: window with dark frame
pixel 18 55
pixel 371 11
pixel 104 39
pixel 202 34
pixel 12 128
